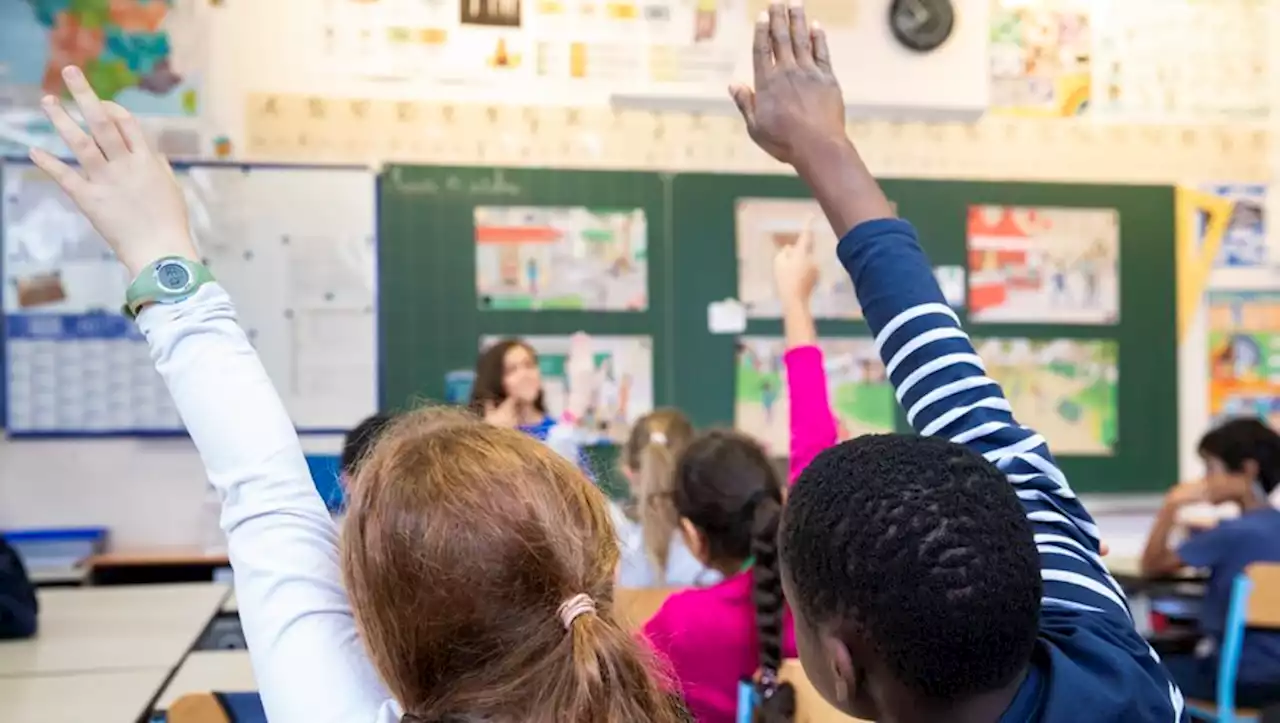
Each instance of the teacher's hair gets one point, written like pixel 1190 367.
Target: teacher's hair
pixel 461 543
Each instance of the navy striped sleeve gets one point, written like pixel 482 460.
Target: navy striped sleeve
pixel 942 384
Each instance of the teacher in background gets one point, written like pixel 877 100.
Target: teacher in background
pixel 508 393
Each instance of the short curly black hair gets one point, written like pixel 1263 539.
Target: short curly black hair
pixel 921 546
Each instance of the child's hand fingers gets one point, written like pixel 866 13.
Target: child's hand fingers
pixel 104 130
pixel 65 176
pixel 86 151
pixel 129 127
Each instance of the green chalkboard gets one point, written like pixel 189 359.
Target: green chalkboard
pixel 1144 458
pixel 430 323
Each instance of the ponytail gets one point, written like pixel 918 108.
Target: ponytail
pixel 776 702
pixel 657 512
pixel 611 678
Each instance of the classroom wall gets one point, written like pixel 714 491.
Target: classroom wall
pixel 152 493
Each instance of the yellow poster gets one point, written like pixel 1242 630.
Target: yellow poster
pixel 1041 58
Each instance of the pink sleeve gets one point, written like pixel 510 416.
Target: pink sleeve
pixel 813 425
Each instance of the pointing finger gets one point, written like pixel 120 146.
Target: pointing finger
pixel 806 237
pixel 780 35
pixel 87 153
pixel 761 52
pixel 801 44
pixel 104 130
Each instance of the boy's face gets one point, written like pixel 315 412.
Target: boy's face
pixel 1224 485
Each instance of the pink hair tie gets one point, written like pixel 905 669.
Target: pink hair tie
pixel 580 604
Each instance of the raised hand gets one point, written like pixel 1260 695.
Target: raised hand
pixel 502 414
pixel 796 110
pixel 794 270
pixel 126 190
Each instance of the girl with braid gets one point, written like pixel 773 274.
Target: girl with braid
pixel 729 498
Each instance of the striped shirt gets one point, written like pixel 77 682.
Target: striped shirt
pixel 1090 663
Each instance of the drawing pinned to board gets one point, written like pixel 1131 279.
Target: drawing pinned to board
pixel 1065 389
pixel 1245 244
pixel 1044 265
pixel 1040 57
pixel 615 390
pixel 592 259
pixel 764 225
pixel 143 55
pixel 861 395
pixel 1244 355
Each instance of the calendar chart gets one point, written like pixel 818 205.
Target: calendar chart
pixel 294 246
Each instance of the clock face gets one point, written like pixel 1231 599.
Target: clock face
pixel 173 277
pixel 922 25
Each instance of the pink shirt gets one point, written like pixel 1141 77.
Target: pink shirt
pixel 707 635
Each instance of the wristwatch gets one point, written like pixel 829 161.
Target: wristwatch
pixel 166 281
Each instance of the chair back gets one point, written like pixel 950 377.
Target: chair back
pixel 1264 596
pixel 635 606
pixel 197 708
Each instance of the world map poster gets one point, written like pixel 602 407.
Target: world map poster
pixel 142 54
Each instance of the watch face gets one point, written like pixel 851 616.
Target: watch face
pixel 922 25
pixel 172 276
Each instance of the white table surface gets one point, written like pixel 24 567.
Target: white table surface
pixel 99 629
pixel 221 671
pixel 230 605
pixel 101 697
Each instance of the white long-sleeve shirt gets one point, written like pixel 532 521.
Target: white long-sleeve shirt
pixel 309 662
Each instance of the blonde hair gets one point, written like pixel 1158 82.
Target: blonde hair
pixel 462 545
pixel 650 453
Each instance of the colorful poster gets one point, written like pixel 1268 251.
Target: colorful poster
pixel 860 393
pixel 1065 389
pixel 1244 355
pixel 1044 265
pixel 615 390
pixel 142 54
pixel 591 259
pixel 1245 244
pixel 1040 58
pixel 764 225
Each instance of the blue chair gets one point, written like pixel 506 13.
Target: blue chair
pixel 1255 604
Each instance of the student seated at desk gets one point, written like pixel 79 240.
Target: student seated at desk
pixel 1242 466
pixel 19 607
pixel 654 553
pixel 479 563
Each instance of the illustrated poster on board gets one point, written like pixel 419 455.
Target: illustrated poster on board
pixel 860 392
pixel 1065 389
pixel 146 56
pixel 1244 355
pixel 548 257
pixel 1041 57
pixel 1044 265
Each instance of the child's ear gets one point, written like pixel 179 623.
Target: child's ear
pixel 694 540
pixel 847 676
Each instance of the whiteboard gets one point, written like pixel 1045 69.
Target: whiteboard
pixel 295 248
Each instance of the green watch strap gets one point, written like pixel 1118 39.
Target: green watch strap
pixel 166 280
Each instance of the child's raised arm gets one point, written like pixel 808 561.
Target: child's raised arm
pixel 307 656
pixel 795 112
pixel 813 426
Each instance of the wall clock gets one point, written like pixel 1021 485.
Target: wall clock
pixel 922 25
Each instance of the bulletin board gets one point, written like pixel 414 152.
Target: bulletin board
pixel 295 248
pixel 433 320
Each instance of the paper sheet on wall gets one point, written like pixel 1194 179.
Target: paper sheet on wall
pixel 1244 355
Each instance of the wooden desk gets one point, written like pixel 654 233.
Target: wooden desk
pixel 221 671
pixel 102 697
pixel 154 565
pixel 112 629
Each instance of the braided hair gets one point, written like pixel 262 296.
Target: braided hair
pixel 728 488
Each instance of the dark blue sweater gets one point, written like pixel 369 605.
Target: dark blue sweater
pixel 18 605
